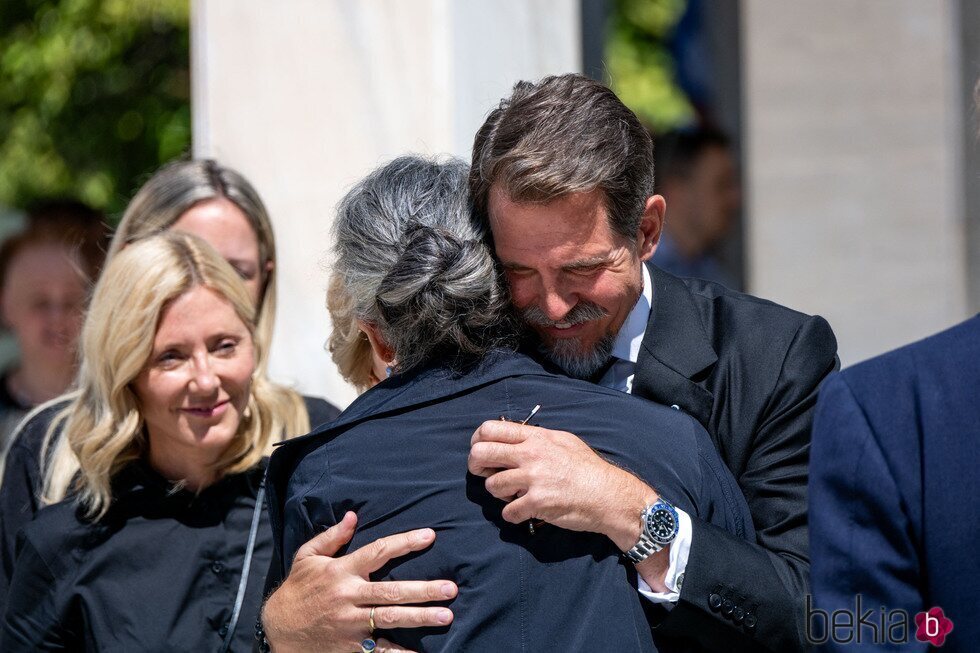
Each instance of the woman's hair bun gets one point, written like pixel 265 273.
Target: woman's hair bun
pixel 442 296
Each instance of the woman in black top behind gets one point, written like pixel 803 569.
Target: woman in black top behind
pixel 157 539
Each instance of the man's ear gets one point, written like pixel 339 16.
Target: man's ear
pixel 378 344
pixel 651 226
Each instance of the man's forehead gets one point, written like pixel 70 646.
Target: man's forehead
pixel 581 211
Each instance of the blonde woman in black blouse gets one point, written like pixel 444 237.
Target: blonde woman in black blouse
pixel 157 537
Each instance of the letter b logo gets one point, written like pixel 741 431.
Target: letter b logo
pixel 932 626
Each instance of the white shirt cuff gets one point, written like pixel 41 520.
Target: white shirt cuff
pixel 680 549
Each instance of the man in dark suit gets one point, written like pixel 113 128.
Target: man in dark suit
pixel 562 176
pixel 894 495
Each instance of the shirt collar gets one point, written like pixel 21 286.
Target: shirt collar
pixel 630 337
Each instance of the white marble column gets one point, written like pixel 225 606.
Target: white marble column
pixel 853 137
pixel 306 96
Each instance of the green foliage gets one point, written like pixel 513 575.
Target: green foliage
pixel 641 69
pixel 94 95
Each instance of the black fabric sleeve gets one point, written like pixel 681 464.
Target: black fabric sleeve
pixel 34 617
pixel 320 412
pixel 19 494
pixel 764 581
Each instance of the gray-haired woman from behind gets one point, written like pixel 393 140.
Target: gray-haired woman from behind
pixel 425 290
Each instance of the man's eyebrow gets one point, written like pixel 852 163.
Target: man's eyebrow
pixel 585 263
pixel 514 266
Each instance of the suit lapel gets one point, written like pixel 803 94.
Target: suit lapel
pixel 675 350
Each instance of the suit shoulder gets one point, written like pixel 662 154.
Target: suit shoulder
pixel 743 306
pixel 757 326
pixel 950 354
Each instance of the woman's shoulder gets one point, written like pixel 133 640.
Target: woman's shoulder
pixel 29 435
pixel 320 411
pixel 57 533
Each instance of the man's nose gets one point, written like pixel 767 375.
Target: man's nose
pixel 556 303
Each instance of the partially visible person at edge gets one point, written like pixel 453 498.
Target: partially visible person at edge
pixel 698 178
pixel 202 198
pixel 425 290
pixel 894 498
pixel 154 531
pixel 46 272
pixel 562 177
pixel 895 494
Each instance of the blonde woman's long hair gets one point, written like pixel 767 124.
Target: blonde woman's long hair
pixel 103 428
pixel 178 186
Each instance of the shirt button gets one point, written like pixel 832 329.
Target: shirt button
pixel 675 406
pixel 217 567
pixel 680 582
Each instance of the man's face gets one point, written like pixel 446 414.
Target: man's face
pixel 574 280
pixel 708 200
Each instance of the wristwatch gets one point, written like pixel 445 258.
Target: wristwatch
pixel 658 528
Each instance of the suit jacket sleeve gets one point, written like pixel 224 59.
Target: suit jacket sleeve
pixel 860 538
pixel 766 579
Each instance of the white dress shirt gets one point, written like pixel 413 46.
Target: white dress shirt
pixel 626 349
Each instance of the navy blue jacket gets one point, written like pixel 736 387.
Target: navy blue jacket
pixel 895 488
pixel 398 458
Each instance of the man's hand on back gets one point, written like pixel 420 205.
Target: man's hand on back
pixel 325 603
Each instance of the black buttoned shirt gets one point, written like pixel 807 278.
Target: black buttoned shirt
pixel 22 480
pixel 159 572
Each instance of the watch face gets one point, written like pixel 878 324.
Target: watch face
pixel 662 524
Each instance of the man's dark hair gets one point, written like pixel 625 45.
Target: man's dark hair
pixel 678 151
pixel 562 135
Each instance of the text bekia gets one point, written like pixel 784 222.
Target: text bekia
pixel 874 626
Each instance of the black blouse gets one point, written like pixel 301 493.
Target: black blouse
pixel 22 480
pixel 160 572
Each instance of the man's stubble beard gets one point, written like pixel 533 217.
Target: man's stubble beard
pixel 567 353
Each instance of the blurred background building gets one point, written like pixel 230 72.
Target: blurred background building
pixel 847 182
